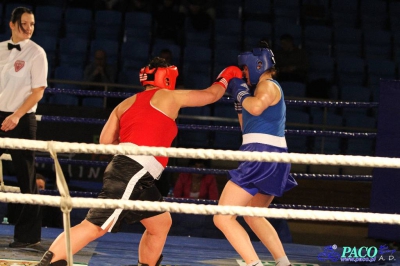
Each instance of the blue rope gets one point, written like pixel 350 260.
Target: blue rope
pixel 215 202
pixel 89 93
pixel 323 133
pixel 332 177
pixel 327 133
pixel 178 169
pixel 227 99
pixel 66 119
pixel 331 104
pixel 312 103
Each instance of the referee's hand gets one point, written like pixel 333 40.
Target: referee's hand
pixel 10 122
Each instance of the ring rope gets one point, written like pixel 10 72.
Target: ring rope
pixel 88 194
pixel 309 103
pixel 272 205
pixel 60 180
pixel 180 169
pixel 324 133
pixel 180 207
pixel 89 92
pixel 65 201
pixel 190 208
pixel 297 158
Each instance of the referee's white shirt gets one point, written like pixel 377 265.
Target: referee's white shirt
pixel 20 72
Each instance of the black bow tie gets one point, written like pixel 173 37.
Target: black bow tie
pixel 16 46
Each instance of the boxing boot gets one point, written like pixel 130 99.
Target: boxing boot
pixel 157 263
pixel 46 260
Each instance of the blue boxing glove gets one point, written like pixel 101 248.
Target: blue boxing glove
pixel 238 107
pixel 238 89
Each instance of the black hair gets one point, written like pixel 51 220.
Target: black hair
pixel 158 62
pixel 39 176
pixel 16 15
pixel 264 44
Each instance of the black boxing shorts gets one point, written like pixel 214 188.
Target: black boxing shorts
pixel 124 178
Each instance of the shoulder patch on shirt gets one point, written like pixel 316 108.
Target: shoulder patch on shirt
pixel 18 65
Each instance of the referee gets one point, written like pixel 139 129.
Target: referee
pixel 23 78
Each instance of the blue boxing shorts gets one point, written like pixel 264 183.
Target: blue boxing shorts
pixel 125 178
pixel 268 178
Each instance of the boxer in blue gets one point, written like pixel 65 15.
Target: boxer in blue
pixel 261 109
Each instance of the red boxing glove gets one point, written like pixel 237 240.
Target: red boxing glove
pixel 227 74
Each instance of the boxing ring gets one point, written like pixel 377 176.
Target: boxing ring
pixel 193 250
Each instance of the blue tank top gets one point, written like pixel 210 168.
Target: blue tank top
pixel 271 121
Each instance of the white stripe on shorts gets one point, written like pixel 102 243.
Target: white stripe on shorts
pixel 264 139
pixel 148 162
pixel 128 191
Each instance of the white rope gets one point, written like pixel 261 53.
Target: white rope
pixel 66 204
pixel 297 158
pixel 3 187
pixel 5 157
pixel 10 189
pixel 190 208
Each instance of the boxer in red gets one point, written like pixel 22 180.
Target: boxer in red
pixel 145 119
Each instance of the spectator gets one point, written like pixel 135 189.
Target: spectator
pixel 99 70
pixel 196 185
pixel 292 62
pixel 40 182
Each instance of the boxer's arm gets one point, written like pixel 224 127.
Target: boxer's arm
pixel 193 98
pixel 196 98
pixel 110 132
pixel 266 94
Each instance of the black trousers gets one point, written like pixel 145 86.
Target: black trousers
pixel 29 223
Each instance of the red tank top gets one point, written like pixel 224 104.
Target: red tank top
pixel 144 125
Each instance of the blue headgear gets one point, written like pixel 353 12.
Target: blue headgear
pixel 257 61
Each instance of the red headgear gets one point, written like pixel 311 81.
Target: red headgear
pixel 163 77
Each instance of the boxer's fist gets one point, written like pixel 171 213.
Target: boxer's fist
pixel 238 89
pixel 227 74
